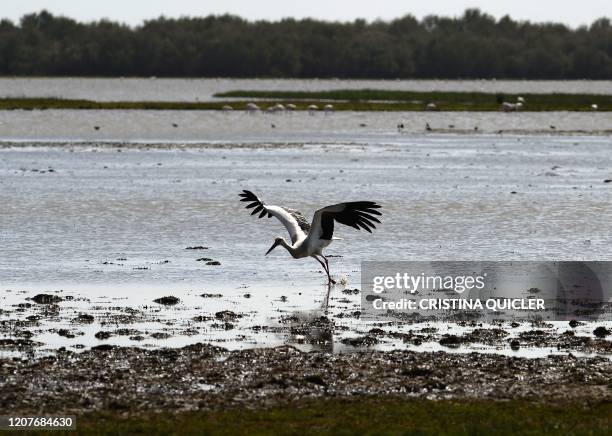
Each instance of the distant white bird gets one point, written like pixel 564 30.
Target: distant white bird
pixel 594 107
pixel 511 107
pixel 312 108
pixel 328 108
pixel 252 107
pixel 291 107
pixel 276 108
pixel 309 240
pixel 431 107
pixel 227 107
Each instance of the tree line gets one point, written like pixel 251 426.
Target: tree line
pixel 472 46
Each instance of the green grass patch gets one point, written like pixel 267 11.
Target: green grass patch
pixel 347 100
pixel 370 416
pixel 59 103
pixel 53 103
pixel 444 100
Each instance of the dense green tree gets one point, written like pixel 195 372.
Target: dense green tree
pixel 475 45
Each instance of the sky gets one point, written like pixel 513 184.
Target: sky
pixel 133 12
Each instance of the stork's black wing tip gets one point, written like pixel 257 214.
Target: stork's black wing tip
pixel 361 215
pixel 248 196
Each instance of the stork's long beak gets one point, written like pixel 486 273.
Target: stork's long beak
pixel 272 247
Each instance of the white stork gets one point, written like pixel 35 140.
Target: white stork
pixel 309 240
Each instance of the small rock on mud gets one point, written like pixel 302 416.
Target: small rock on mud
pixel 46 299
pixel 83 318
pixel 227 315
pixel 65 333
pixel 167 301
pixel 361 341
pixel 451 341
pixel 102 335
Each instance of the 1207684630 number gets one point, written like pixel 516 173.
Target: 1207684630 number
pixel 8 422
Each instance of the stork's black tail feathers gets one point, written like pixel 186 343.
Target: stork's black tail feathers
pixel 255 202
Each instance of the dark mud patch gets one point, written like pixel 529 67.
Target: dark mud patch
pixel 83 318
pixel 46 299
pixel 102 335
pixel 66 333
pixel 227 315
pixel 305 330
pixel 361 341
pixel 123 315
pixel 136 380
pixel 222 326
pixel 127 332
pixel 573 323
pixel 487 336
pixel 18 344
pixel 167 301
pixel 537 338
pixel 414 337
pixel 452 341
pixel 565 341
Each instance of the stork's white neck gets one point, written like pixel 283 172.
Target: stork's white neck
pixel 292 250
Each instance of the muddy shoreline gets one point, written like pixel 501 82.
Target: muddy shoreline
pixel 204 377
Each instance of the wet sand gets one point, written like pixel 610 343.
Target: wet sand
pixel 163 89
pixel 127 127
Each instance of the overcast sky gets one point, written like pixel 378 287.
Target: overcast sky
pixel 133 12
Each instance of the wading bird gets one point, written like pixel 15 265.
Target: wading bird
pixel 309 240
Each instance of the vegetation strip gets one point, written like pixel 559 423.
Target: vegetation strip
pixel 341 100
pixel 367 415
pixel 441 99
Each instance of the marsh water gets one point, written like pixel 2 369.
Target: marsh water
pixel 158 89
pixel 103 217
pixel 108 227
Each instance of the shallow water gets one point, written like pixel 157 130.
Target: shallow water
pixel 143 89
pixel 109 227
pixel 300 127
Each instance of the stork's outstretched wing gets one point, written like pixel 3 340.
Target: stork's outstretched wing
pixel 302 222
pixel 294 222
pixel 356 214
